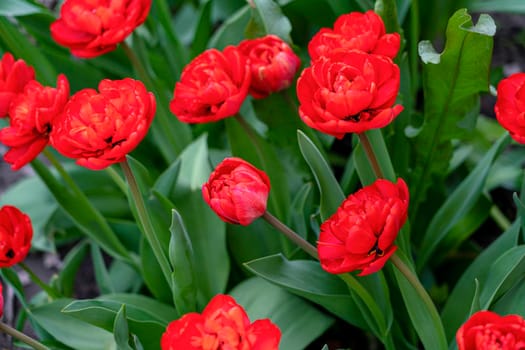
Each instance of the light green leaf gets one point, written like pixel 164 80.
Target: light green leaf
pixel 121 330
pixel 15 8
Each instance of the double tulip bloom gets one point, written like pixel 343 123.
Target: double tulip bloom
pixel 14 75
pixel 16 233
pixel 223 324
pixel 92 28
pixel 486 330
pixel 352 83
pixel 98 128
pixel 510 106
pixel 361 233
pixel 237 191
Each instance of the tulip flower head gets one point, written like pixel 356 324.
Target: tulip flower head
pixel 16 233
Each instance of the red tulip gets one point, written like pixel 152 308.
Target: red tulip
pixel 100 128
pixel 32 114
pixel 223 324
pixel 361 233
pixel 486 330
pixel 349 91
pixel 355 31
pixel 14 75
pixel 90 28
pixel 237 191
pixel 16 233
pixel 273 64
pixel 212 87
pixel 510 106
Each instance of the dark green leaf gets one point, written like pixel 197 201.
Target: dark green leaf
pixel 231 32
pixel 71 264
pixel 104 282
pixel 267 18
pixel 455 311
pixel 203 29
pixel 452 82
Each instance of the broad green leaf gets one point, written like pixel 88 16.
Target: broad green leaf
pixel 103 313
pixel 156 310
pixel 70 330
pixel 74 258
pixel 181 259
pixel 124 278
pixel 104 282
pixel 512 301
pixel 83 213
pixel 502 275
pixel 424 316
pixel 297 213
pixel 331 194
pixel 121 330
pixel 267 18
pixel 456 310
pixel 521 209
pixel 300 322
pixel 166 181
pixel 15 8
pixel 203 29
pixel 206 231
pixel 11 277
pixel 452 82
pixel 231 32
pixel 510 6
pixel 475 305
pixel 457 205
pixel 308 280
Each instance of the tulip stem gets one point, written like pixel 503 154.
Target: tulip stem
pixel 365 143
pixel 292 235
pixel 499 218
pixel 413 280
pixel 52 293
pixel 22 337
pixel 145 221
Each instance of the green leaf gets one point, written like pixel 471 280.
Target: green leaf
pixel 475 305
pixel 206 231
pixel 70 330
pixel 121 330
pixel 297 213
pixel 181 259
pixel 267 18
pixel 457 205
pixel 307 279
pixel 104 282
pixel 72 261
pixel 456 310
pixel 11 277
pixel 154 309
pixel 510 6
pixel 331 194
pixel 231 32
pixel 300 323
pixel 512 301
pixel 452 82
pixel 503 274
pixel 424 317
pixel 166 181
pixel 87 218
pixel 14 8
pixel 203 29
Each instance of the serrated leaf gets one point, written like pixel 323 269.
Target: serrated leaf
pixel 452 82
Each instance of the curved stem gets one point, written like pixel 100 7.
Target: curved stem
pixel 499 218
pixel 365 143
pixel 145 221
pixel 292 235
pixel 121 184
pixel 63 173
pixel 413 280
pixel 52 293
pixel 22 337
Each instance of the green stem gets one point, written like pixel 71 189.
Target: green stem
pixel 22 337
pixel 292 235
pixel 53 294
pixel 499 218
pixel 414 39
pixel 145 221
pixel 121 184
pixel 365 143
pixel 63 173
pixel 413 280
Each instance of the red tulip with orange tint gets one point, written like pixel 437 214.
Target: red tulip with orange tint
pixel 31 117
pixel 100 128
pixel 355 31
pixel 349 92
pixel 14 75
pixel 361 233
pixel 223 324
pixel 91 28
pixel 212 86
pixel 273 64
